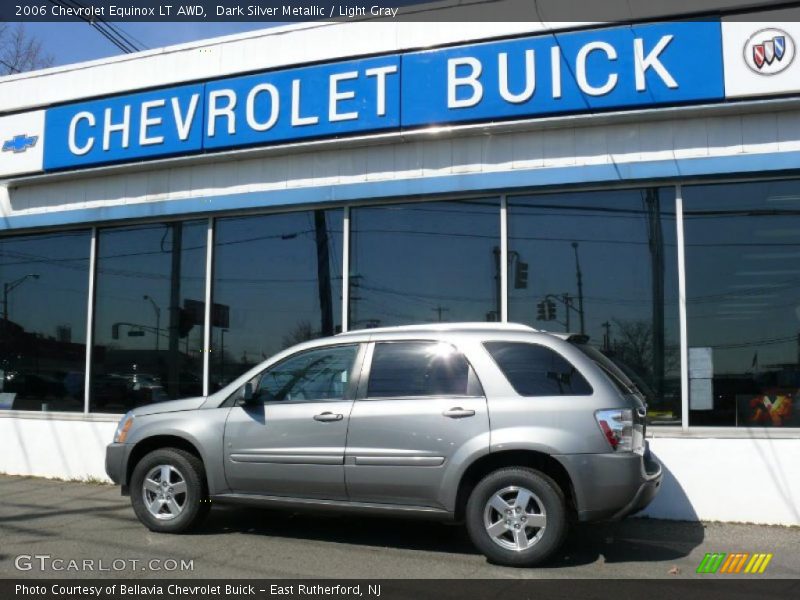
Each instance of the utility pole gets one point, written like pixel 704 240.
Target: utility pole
pixel 567 299
pixel 579 277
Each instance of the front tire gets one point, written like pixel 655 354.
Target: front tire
pixel 517 517
pixel 169 493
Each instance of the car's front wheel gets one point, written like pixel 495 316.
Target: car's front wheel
pixel 169 490
pixel 516 516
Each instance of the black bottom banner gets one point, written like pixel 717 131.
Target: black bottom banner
pixel 391 589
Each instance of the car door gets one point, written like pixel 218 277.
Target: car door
pixel 419 404
pixel 291 440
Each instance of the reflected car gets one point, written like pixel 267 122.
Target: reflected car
pixel 127 390
pixel 512 431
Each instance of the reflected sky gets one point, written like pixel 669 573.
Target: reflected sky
pixel 418 263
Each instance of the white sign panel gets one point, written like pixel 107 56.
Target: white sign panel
pixel 22 143
pixel 760 56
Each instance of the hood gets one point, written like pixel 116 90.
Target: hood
pixel 169 406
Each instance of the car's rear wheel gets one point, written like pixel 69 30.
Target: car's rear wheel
pixel 517 516
pixel 168 488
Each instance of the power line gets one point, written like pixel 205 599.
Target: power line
pixel 112 33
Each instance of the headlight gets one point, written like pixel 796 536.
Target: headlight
pixel 122 429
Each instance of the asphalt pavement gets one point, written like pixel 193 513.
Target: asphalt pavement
pixel 71 523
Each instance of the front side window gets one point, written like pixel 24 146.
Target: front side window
pixel 534 370
pixel 408 369
pixel 321 374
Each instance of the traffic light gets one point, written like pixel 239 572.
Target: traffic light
pixel 520 275
pixel 551 310
pixel 541 314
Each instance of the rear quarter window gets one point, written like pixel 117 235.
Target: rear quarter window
pixel 535 370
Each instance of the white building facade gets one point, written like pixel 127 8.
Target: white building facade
pixel 171 218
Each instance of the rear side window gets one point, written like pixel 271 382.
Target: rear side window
pixel 534 370
pixel 403 369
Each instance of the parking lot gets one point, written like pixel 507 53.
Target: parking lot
pixel 77 522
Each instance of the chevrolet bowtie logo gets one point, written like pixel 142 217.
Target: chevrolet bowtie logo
pixel 20 143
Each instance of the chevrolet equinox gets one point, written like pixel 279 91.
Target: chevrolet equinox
pixel 514 431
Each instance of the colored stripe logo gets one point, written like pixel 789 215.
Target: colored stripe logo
pixel 734 563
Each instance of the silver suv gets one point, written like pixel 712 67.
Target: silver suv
pixel 512 430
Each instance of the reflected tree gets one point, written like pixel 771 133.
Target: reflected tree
pixel 302 332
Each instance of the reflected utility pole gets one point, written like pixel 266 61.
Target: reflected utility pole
pixel 579 277
pixel 158 318
pixel 439 310
pixel 607 336
pixel 324 273
pixel 174 368
pixel 656 240
pixel 8 287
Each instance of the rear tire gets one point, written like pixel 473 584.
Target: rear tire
pixel 169 493
pixel 517 517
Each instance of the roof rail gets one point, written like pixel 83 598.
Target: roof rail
pixel 473 326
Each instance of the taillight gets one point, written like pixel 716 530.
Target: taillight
pixel 617 427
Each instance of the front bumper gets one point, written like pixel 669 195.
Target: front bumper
pixel 612 486
pixel 116 464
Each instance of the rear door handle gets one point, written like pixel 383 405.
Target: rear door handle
pixel 328 416
pixel 459 413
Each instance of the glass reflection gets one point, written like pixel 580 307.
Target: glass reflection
pixel 148 327
pixel 45 281
pixel 743 303
pixel 277 282
pixel 603 264
pixel 432 261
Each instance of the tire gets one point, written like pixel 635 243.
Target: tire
pixel 513 539
pixel 180 504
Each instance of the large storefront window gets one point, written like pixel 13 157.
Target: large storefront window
pixel 424 262
pixel 603 264
pixel 277 282
pixel 743 310
pixel 149 307
pixel 45 280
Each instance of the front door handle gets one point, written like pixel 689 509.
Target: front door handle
pixel 459 413
pixel 328 416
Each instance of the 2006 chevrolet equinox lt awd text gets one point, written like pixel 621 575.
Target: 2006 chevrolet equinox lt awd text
pixel 513 430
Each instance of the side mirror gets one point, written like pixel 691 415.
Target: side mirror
pixel 248 394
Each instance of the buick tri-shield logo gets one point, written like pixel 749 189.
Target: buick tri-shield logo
pixel 769 51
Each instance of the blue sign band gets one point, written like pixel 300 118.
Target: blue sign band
pixel 604 69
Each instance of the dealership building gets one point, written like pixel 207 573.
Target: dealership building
pixel 173 217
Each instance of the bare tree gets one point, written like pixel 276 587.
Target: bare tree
pixel 20 51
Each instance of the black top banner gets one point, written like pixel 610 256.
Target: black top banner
pixel 287 11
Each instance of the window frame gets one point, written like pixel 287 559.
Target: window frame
pixel 546 347
pixel 366 371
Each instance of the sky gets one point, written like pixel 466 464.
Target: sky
pixel 76 42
